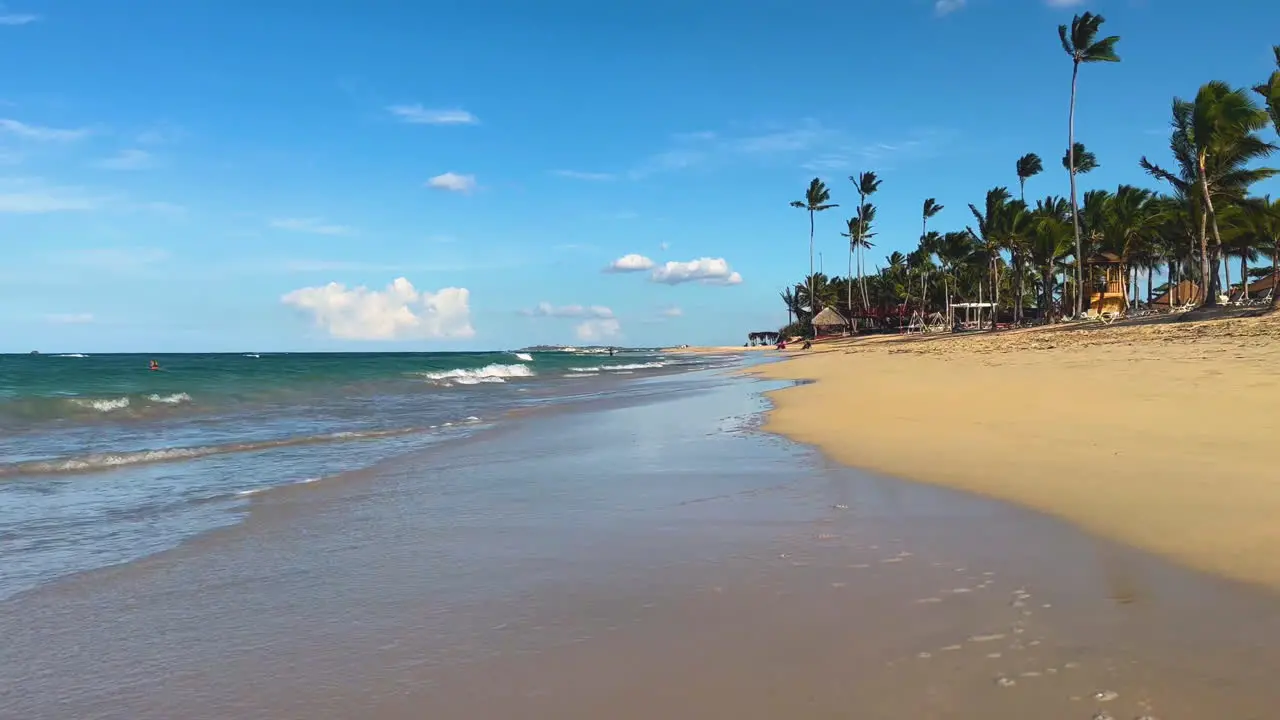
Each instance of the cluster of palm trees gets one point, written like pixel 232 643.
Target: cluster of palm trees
pixel 1033 257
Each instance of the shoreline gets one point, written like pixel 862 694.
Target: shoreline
pixel 1159 436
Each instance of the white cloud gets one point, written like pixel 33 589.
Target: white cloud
pixel 629 263
pixel 708 271
pixel 36 132
pixel 17 18
pixel 417 115
pixel 129 159
pixel 400 312
pixel 113 259
pixel 946 7
pixel 315 226
pixel 42 200
pixel 578 175
pixel 453 182
pixel 69 318
pixel 671 312
pixel 546 309
pixel 598 330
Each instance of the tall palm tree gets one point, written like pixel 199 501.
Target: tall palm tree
pixel 867 184
pixel 1081 42
pixel 1051 239
pixel 1214 140
pixel 859 234
pixel 1270 92
pixel 954 250
pixel 816 199
pixel 1029 166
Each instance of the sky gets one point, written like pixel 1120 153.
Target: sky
pixel 313 175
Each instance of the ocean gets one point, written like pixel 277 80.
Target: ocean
pixel 103 461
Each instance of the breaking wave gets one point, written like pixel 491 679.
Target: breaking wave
pixel 494 373
pixel 526 357
pixel 627 366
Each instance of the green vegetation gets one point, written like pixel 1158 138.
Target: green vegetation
pixel 1027 257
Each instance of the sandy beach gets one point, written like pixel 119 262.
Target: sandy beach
pixel 1159 435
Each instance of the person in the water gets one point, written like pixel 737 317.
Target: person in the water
pixel 155 365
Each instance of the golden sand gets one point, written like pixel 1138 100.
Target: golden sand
pixel 1163 436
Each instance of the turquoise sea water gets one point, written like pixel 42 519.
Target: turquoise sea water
pixel 103 460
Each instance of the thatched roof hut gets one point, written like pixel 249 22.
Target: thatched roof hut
pixel 829 321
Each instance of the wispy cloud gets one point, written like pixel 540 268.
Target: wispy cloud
pixel 671 312
pixel 128 159
pixel 69 318
pixel 38 133
pixel 546 309
pixel 417 115
pixel 846 156
pixel 161 133
pixel 17 18
pixel 760 144
pixel 453 182
pixel 34 199
pixel 598 330
pixel 336 266
pixel 946 7
pixel 1063 3
pixel 117 259
pixel 578 175
pixel 315 226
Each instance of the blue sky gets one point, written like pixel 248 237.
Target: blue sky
pixel 192 176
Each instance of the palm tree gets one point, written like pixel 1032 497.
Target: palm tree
pixel 1029 166
pixel 1085 161
pixel 1264 219
pixel 816 199
pixel 1213 141
pixel 867 184
pixel 789 299
pixel 931 208
pixel 859 234
pixel 1080 41
pixel 954 250
pixel 1050 240
pixel 1270 92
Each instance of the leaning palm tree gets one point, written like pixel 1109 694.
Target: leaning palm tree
pixel 1214 141
pixel 816 199
pixel 1029 166
pixel 1081 42
pixel 867 184
pixel 931 208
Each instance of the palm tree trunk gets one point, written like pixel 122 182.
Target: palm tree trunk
pixel 1150 272
pixel 1208 298
pixel 1071 162
pixel 1275 269
pixel 849 290
pixel 812 304
pixel 1244 275
pixel 1226 266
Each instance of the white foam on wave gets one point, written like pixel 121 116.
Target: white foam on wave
pixel 526 357
pixel 102 404
pixel 252 355
pixel 579 374
pixel 494 373
pixel 173 399
pixel 617 368
pixel 72 355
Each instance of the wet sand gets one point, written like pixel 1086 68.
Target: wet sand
pixel 656 557
pixel 1158 435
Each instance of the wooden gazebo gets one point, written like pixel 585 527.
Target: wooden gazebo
pixel 829 322
pixel 1108 292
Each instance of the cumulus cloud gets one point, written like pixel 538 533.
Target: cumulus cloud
pixel 630 263
pixel 417 115
pixel 400 312
pixel 546 309
pixel 708 271
pixel 315 226
pixel 36 132
pixel 69 318
pixel 453 182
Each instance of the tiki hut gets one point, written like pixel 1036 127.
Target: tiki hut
pixel 1107 291
pixel 829 322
